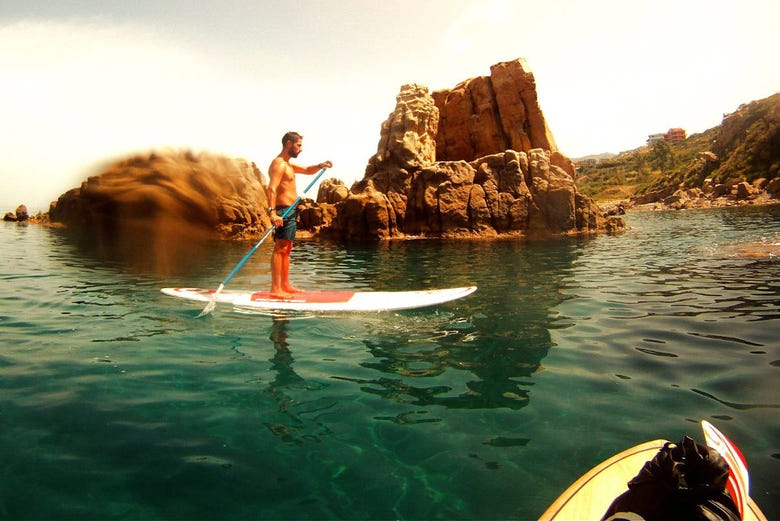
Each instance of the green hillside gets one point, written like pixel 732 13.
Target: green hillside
pixel 744 147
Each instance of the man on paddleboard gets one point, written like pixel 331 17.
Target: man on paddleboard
pixel 282 194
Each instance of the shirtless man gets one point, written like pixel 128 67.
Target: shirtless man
pixel 281 194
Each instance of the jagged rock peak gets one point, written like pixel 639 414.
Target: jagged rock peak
pixel 488 114
pixel 498 172
pixel 408 136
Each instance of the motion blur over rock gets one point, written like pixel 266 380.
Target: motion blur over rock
pixel 474 161
pixel 180 192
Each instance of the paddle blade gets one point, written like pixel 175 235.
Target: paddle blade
pixel 208 309
pixel 212 303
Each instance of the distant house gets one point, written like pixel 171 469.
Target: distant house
pixel 654 138
pixel 673 135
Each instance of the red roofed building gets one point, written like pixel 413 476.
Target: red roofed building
pixel 675 135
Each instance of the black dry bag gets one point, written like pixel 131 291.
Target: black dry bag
pixel 684 481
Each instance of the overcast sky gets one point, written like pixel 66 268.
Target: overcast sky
pixel 86 82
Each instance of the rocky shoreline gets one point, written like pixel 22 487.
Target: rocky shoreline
pixel 474 161
pixel 742 194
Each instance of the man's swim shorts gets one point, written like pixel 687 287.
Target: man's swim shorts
pixel 290 225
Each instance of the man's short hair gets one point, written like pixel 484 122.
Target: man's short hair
pixel 290 137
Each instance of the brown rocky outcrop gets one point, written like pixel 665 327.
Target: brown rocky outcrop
pixel 483 115
pixel 476 160
pixel 200 194
pixel 332 191
pixel 773 187
pixel 20 215
pixel 492 113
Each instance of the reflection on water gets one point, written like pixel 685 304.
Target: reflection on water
pixel 484 361
pixel 163 248
pixel 285 378
pixel 489 367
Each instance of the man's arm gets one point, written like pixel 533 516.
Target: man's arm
pixel 313 169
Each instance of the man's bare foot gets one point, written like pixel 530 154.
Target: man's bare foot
pixel 293 289
pixel 280 294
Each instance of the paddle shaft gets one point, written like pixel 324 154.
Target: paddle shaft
pixel 271 229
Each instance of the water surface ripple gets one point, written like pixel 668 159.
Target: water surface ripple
pixel 117 403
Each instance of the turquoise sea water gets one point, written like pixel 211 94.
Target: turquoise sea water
pixel 117 403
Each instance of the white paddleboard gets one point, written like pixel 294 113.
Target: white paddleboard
pixel 331 300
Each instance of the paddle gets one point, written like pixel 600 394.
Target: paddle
pixel 213 299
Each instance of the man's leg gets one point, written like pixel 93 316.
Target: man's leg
pixel 287 287
pixel 280 267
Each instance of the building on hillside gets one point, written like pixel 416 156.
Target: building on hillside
pixel 672 136
pixel 675 135
pixel 654 138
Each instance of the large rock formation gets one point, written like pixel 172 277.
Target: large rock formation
pixel 477 160
pixel 181 191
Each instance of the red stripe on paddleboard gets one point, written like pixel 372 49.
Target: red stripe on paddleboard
pixel 318 297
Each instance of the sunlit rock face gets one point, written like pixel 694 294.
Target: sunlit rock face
pixel 489 114
pixel 477 160
pixel 197 194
